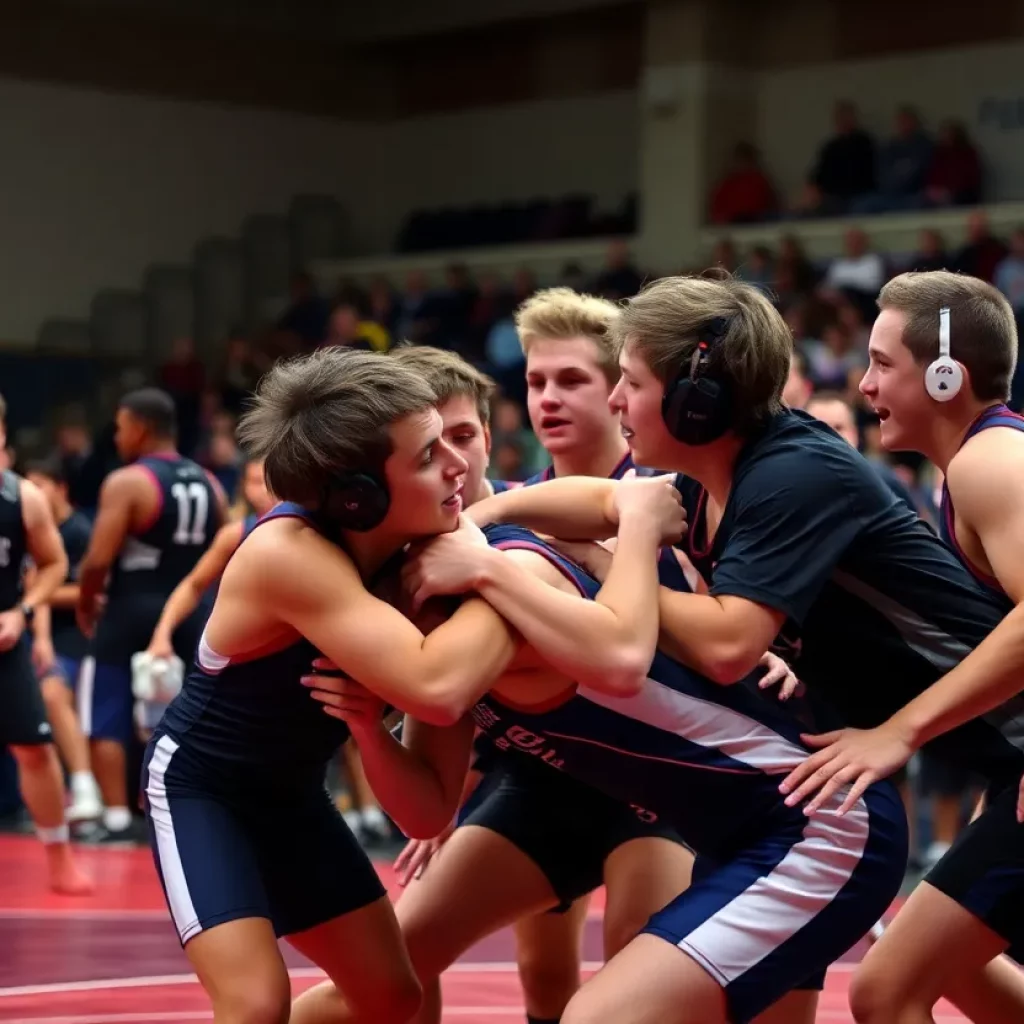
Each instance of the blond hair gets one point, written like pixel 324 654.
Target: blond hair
pixel 449 376
pixel 560 314
pixel 982 329
pixel 753 356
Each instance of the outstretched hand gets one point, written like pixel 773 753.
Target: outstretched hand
pixel 847 757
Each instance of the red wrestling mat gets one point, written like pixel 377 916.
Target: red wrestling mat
pixel 113 958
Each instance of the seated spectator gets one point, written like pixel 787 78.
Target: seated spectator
pixel 620 279
pixel 931 252
pixel 954 176
pixel 382 307
pixel 758 268
pixel 845 170
pixel 744 195
pixel 516 452
pixel 1009 280
pixel 902 168
pixel 454 306
pixel 983 251
pixel 412 318
pixel 346 327
pixel 307 314
pixel 834 358
pixel 793 258
pixel 858 274
pixel 798 387
pixel 524 284
pixel 1009 275
pixel 503 352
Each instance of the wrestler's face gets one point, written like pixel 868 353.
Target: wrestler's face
pixel 425 477
pixel 894 386
pixel 467 435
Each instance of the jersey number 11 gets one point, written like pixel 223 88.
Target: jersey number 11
pixel 193 509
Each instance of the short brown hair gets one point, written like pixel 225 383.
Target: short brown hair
pixel 982 330
pixel 753 355
pixel 561 314
pixel 327 413
pixel 449 376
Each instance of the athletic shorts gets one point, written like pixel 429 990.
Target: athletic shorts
pixel 288 858
pixel 565 827
pixel 983 871
pixel 789 905
pixel 23 721
pixel 64 668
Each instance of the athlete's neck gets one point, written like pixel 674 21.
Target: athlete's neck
pixel 948 430
pixel 601 459
pixel 158 446
pixel 62 513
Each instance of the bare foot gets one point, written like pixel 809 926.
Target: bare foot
pixel 65 875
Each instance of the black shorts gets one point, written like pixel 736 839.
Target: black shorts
pixel 944 778
pixel 289 858
pixel 984 870
pixel 127 625
pixel 566 828
pixel 23 721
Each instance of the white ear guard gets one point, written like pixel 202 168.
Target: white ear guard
pixel 944 377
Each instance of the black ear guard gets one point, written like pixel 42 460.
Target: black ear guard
pixel 697 407
pixel 356 501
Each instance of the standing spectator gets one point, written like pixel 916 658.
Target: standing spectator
pixel 902 168
pixel 954 177
pixel 983 251
pixel 183 377
pixel 620 279
pixel 757 268
pixel 743 195
pixel 845 170
pixel 307 314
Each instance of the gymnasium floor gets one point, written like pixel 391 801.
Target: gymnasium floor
pixel 113 958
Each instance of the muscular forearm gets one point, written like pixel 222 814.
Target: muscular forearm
pixel 41 625
pixel 990 675
pixel 608 643
pixel 572 508
pixel 697 630
pixel 408 788
pixel 92 578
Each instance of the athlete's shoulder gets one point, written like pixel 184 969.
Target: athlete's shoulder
pixel 988 469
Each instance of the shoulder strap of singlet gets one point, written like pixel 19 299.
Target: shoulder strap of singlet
pixel 10 485
pixel 501 486
pixel 284 510
pixel 508 537
pixel 995 416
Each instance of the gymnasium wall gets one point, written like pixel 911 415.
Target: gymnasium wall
pixel 981 86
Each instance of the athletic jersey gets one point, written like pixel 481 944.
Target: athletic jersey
pixel 705 758
pixel 624 465
pixel 67 637
pixel 13 541
pixel 155 560
pixel 877 608
pixel 236 719
pixel 248 525
pixel 996 416
pixel 485 759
